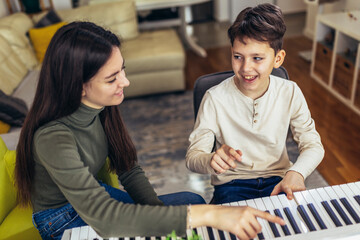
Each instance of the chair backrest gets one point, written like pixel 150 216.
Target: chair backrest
pixel 203 83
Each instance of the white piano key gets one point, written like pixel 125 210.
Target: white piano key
pixel 330 191
pixel 270 207
pixel 215 233
pixel 354 188
pixel 320 209
pixel 325 197
pixel 199 231
pixel 292 206
pixel 358 186
pixel 66 235
pixel 343 191
pixel 277 204
pixel 251 203
pixel 93 234
pixel 301 201
pixel 266 228
pixel 75 234
pixel 84 232
pixel 205 233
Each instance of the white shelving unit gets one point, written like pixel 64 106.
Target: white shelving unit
pixel 336 56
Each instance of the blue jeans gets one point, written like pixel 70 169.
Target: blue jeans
pixel 238 190
pixel 52 223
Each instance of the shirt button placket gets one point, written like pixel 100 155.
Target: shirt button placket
pixel 255 113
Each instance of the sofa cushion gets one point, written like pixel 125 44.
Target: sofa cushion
pixel 12 69
pixel 4 127
pixel 21 45
pixel 19 22
pixel 119 17
pixel 50 18
pixel 153 51
pixel 41 37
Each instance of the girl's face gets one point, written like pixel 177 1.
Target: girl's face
pixel 106 88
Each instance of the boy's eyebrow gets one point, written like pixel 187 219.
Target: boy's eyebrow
pixel 253 54
pixel 113 74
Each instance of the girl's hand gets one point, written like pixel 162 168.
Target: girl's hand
pixel 241 221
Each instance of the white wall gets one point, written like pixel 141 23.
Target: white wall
pixel 221 10
pixel 229 9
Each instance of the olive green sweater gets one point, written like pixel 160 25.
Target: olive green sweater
pixel 68 154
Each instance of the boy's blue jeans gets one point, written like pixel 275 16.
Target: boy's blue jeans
pixel 52 223
pixel 238 190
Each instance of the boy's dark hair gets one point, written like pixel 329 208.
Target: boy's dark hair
pixel 264 23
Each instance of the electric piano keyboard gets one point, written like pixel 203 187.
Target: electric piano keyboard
pixel 323 213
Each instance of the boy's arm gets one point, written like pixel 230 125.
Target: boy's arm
pixel 308 139
pixel 202 138
pixel 309 144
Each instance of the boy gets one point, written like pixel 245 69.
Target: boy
pixel 249 115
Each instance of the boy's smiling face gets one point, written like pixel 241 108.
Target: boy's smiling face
pixel 252 62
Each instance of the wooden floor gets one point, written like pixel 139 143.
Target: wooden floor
pixel 339 127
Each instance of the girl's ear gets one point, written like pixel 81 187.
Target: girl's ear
pixel 83 93
pixel 279 58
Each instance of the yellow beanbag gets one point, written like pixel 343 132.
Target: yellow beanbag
pixel 41 37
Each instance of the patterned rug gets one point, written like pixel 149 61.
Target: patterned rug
pixel 160 126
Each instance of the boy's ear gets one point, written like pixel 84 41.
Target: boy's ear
pixel 279 58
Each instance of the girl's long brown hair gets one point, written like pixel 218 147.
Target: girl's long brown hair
pixel 75 54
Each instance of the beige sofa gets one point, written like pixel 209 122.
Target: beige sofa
pixel 155 60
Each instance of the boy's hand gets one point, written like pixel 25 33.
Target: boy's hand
pixel 292 182
pixel 224 158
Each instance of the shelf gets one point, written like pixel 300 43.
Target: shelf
pixel 336 56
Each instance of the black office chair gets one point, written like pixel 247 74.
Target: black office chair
pixel 203 83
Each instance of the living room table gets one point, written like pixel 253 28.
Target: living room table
pixel 182 5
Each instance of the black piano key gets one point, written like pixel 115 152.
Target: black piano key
pixel 285 227
pixel 221 235
pixel 210 233
pixel 292 220
pixel 350 209
pixel 306 218
pixel 273 228
pixel 147 238
pixel 232 236
pixel 261 236
pixel 132 238
pixel 316 215
pixel 357 198
pixel 341 212
pixel 331 213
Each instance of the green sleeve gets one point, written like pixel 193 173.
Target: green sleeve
pixel 56 150
pixel 138 186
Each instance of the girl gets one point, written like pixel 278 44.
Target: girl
pixel 73 126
